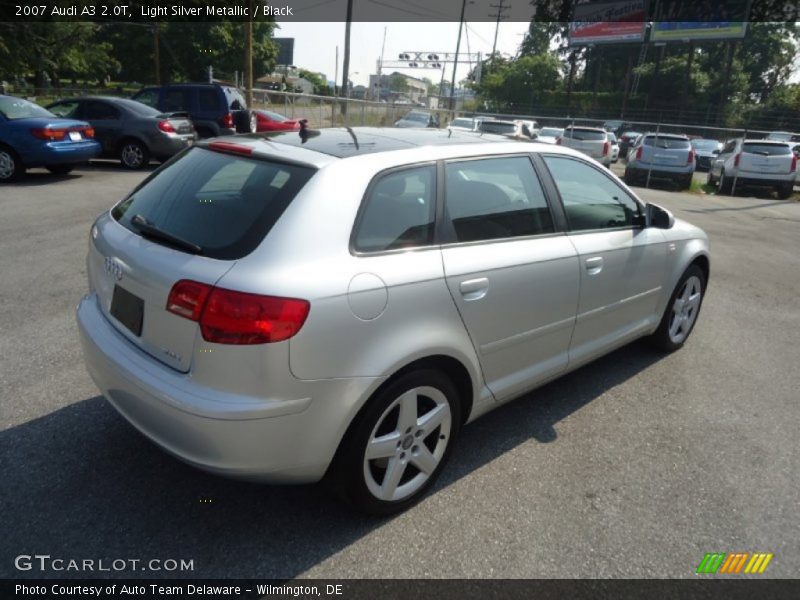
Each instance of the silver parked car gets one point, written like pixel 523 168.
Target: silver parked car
pixel 661 156
pixel 592 141
pixel 341 302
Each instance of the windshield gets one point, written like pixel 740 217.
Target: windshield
pixel 707 145
pixel 585 134
pixel 781 136
pixel 17 108
pixel 550 132
pixel 766 149
pixel 498 127
pixel 413 116
pixel 137 107
pixel 274 116
pixel 667 143
pixel 462 123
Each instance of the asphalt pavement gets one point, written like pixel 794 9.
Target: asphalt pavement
pixel 634 466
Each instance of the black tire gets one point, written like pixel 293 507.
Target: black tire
pixel 785 191
pixel 710 179
pixel 133 155
pixel 684 183
pixel 661 339
pixel 61 169
pixel 11 167
pixel 348 474
pixel 246 121
pixel 725 184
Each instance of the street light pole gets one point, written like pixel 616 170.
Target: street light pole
pixel 455 62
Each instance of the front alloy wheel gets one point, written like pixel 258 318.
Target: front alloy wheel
pixel 10 168
pixel 685 309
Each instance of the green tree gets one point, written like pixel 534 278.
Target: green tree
pixel 321 87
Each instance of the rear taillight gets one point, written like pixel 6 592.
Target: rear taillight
pixel 227 120
pixel 639 152
pixel 47 133
pixel 187 298
pixel 606 148
pixel 736 159
pixel 166 127
pixel 230 317
pixel 690 158
pixel 794 163
pixel 57 134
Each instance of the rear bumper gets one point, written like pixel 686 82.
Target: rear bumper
pixel 659 171
pixel 764 179
pixel 278 440
pixel 60 153
pixel 165 146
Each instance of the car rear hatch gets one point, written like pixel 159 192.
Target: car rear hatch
pixel 190 220
pixel 765 157
pixel 666 151
pixel 589 141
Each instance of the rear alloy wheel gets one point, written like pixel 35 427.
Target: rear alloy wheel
pixel 60 169
pixel 11 167
pixel 133 155
pixel 400 443
pixel 681 313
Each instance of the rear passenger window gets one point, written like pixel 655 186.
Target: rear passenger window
pixel 399 211
pixel 495 198
pixel 591 199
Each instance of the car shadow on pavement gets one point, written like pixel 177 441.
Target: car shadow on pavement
pixel 80 483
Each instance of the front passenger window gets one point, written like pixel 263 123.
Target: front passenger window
pixel 591 199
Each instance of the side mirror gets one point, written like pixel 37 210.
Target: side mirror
pixel 659 217
pixel 534 135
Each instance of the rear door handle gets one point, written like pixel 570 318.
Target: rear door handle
pixel 474 289
pixel 594 265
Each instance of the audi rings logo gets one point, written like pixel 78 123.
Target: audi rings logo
pixel 113 268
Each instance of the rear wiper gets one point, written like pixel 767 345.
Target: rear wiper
pixel 149 230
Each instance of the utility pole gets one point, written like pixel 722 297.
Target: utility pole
pixel 346 60
pixel 455 62
pixel 380 65
pixel 156 54
pixel 248 58
pixel 501 8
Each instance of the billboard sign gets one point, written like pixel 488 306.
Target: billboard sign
pixel 608 22
pixel 285 51
pixel 697 30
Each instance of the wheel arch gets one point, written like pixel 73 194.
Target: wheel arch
pixel 132 138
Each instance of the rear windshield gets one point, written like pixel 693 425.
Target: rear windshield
pixel 767 149
pixel 17 108
pixel 498 127
pixel 709 145
pixel 414 116
pixel 550 132
pixel 137 107
pixel 667 143
pixel 224 204
pixel 585 134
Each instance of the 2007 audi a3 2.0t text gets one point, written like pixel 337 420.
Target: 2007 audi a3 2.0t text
pixel 338 303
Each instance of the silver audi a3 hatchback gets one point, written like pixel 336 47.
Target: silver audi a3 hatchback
pixel 339 303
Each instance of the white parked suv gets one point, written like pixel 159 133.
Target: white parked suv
pixel 592 141
pixel 754 163
pixel 661 156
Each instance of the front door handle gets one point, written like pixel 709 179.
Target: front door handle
pixel 474 289
pixel 594 265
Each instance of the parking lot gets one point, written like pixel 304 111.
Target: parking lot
pixel 634 466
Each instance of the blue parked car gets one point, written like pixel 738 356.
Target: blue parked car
pixel 31 136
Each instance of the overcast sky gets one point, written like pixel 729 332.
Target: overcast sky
pixel 315 45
